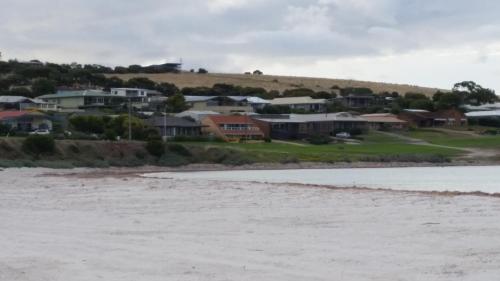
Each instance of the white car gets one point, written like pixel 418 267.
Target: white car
pixel 40 132
pixel 343 135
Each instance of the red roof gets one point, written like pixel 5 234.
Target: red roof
pixel 13 114
pixel 232 119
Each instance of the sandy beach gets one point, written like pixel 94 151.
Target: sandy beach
pixel 114 225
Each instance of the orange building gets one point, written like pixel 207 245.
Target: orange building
pixel 231 128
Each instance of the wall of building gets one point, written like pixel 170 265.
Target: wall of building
pixel 202 106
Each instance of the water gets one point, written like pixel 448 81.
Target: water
pixel 463 179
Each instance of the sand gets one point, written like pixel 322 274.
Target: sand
pixel 124 227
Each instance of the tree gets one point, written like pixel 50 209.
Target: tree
pixel 141 82
pixel 447 100
pixel 424 104
pixel 301 92
pixel 135 68
pixel 114 82
pixel 39 144
pixel 474 94
pixel 202 71
pixel 167 89
pixel 43 86
pixel 258 72
pixel 21 91
pixel 356 91
pixel 176 103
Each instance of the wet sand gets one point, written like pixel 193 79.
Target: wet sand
pixel 85 225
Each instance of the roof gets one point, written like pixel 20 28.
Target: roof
pixel 14 99
pixel 73 94
pixel 484 107
pixel 304 118
pixel 417 110
pixel 382 118
pixel 251 100
pixel 137 89
pixel 296 100
pixel 231 119
pixel 159 121
pixel 491 113
pixel 11 114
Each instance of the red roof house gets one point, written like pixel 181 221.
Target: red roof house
pixel 232 128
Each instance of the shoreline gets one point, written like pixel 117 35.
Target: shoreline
pixel 90 172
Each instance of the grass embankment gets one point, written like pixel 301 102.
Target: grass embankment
pixel 80 153
pixel 273 82
pixel 71 153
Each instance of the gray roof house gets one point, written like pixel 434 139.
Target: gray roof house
pixel 169 126
pixel 307 104
pixel 24 103
pixel 299 126
pixel 77 100
pixel 225 104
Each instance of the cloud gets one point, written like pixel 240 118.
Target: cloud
pixel 227 35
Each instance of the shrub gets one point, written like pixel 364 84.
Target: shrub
pixel 155 147
pixel 319 139
pixel 110 135
pixel 39 144
pixel 172 160
pixel 491 132
pixel 355 131
pixel 179 149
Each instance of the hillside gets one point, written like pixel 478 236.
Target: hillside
pixel 271 82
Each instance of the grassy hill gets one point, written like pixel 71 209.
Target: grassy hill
pixel 271 82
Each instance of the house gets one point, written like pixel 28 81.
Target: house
pixel 300 126
pixel 483 114
pixel 169 126
pixel 25 121
pixel 195 115
pixel 135 95
pixel 306 104
pixel 358 100
pixel 424 118
pixel 231 128
pixel 24 103
pixel 140 98
pixel 84 99
pixel 384 121
pixel 225 104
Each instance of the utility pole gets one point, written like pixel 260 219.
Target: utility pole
pixel 165 124
pixel 130 119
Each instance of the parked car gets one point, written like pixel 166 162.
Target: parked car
pixel 40 132
pixel 343 135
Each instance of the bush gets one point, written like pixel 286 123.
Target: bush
pixel 172 160
pixel 179 149
pixel 110 135
pixel 155 147
pixel 39 144
pixel 319 140
pixel 490 132
pixel 355 131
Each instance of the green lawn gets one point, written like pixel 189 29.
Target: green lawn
pixel 456 139
pixel 375 145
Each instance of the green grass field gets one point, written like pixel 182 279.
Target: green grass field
pixel 375 147
pixel 457 139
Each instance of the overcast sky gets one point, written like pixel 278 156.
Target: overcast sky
pixel 423 42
